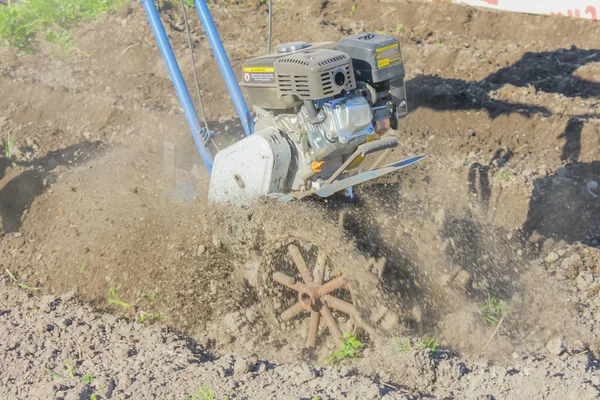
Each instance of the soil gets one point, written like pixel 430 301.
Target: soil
pixel 505 207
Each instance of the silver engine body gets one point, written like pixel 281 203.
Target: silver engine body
pixel 314 104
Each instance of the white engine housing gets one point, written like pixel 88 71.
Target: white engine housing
pixel 255 166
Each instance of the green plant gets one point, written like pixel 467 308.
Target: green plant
pixel 430 343
pixel 439 44
pixel 493 310
pixel 349 345
pixel 399 28
pixel 150 317
pixel 504 176
pixel 56 374
pixel 20 23
pixel 150 296
pixel 89 378
pixel 426 342
pixel 352 10
pixel 19 284
pixel 204 392
pixel 114 299
pixel 9 145
pixel 402 344
pixel 69 368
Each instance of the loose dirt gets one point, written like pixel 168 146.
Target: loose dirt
pixel 504 208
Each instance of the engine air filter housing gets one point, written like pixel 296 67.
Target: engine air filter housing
pixel 314 74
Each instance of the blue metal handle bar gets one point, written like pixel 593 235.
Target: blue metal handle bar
pixel 180 87
pixel 221 56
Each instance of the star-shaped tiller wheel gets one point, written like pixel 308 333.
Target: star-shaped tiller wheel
pixel 314 296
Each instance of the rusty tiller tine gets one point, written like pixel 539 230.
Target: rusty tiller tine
pixel 331 324
pixel 332 285
pixel 313 328
pixel 287 281
pixel 300 264
pixel 292 311
pixel 320 268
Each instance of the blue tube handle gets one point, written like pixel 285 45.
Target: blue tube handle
pixel 225 66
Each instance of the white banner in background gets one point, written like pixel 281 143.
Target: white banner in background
pixel 568 8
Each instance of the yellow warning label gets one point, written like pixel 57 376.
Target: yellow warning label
pixel 259 69
pixel 383 63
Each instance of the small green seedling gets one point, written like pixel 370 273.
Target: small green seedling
pixel 430 343
pixel 349 346
pixel 150 296
pixel 69 368
pixel 82 268
pixel 89 378
pixel 353 10
pixel 399 28
pixel 114 299
pixel 19 284
pixel 150 317
pixel 204 392
pixel 424 343
pixel 402 344
pixel 56 374
pixel 504 176
pixel 9 145
pixel 493 310
pixel 440 45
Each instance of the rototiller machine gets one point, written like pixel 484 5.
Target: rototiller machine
pixel 319 110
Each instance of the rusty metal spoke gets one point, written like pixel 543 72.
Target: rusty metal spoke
pixel 331 324
pixel 287 281
pixel 340 305
pixel 332 285
pixel 300 264
pixel 320 268
pixel 313 328
pixel 292 312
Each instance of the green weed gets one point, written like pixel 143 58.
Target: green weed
pixel 161 3
pixel 114 299
pixel 82 268
pixel 150 317
pixel 352 11
pixel 349 346
pixel 19 284
pixel 504 176
pixel 430 343
pixel 9 145
pixel 440 45
pixel 493 310
pixel 150 296
pixel 424 343
pixel 56 374
pixel 89 378
pixel 399 28
pixel 69 368
pixel 204 392
pixel 21 23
